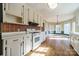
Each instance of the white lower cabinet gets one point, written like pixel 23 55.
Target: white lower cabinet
pixel 12 46
pixel 75 42
pixel 20 44
pixel 42 36
pixel 6 47
pixel 27 43
pixel 16 44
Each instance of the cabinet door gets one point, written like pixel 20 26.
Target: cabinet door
pixel 14 9
pixel 26 15
pixel 77 45
pixel 35 17
pixel 22 48
pixel 7 47
pixel 27 43
pixel 21 45
pixel 15 46
pixel 31 15
pixel 39 20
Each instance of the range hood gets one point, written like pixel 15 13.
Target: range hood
pixel 33 23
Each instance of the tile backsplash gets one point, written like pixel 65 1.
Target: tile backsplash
pixel 12 27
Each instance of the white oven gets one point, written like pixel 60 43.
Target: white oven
pixel 36 40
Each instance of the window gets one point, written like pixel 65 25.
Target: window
pixel 67 28
pixel 73 27
pixel 58 29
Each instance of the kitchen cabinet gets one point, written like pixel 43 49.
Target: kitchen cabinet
pixel 11 48
pixel 35 17
pixel 41 22
pixel 6 47
pixel 26 15
pixel 38 19
pixel 75 41
pixel 13 44
pixel 27 43
pixel 15 47
pixel 30 14
pixel 21 38
pixel 14 9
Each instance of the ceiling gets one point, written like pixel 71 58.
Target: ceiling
pixel 63 10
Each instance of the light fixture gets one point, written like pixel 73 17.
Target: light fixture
pixel 52 5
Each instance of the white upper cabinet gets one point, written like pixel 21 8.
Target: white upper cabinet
pixel 25 17
pixel 41 22
pixel 35 17
pixel 31 15
pixel 15 9
pixel 21 13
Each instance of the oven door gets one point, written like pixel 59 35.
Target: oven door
pixel 36 41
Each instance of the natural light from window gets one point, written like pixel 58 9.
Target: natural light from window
pixel 37 54
pixel 41 51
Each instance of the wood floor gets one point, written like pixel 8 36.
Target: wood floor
pixel 54 46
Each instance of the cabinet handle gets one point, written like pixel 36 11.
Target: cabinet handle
pixel 5 51
pixel 4 6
